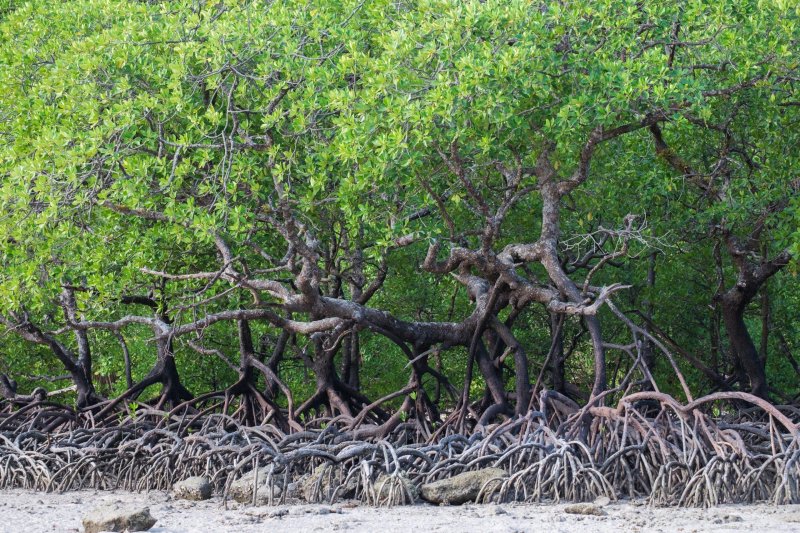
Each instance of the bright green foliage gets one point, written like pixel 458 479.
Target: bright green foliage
pixel 112 111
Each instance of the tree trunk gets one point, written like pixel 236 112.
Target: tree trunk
pixel 648 352
pixel 557 359
pixel 734 303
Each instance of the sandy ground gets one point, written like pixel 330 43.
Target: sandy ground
pixel 26 511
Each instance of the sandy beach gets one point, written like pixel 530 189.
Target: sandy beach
pixel 25 511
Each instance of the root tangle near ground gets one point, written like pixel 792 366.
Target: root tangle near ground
pixel 659 449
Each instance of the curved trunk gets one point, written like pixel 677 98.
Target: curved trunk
pixel 8 387
pixel 742 345
pixel 82 373
pixel 551 197
pixel 332 394
pixel 173 392
pixel 491 375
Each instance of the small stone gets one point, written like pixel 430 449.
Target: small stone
pixel 118 518
pixel 602 501
pixel 194 488
pixel 258 512
pixel 183 504
pixel 497 511
pixel 728 518
pixel 323 510
pixel 585 509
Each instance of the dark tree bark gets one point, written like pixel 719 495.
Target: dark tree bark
pixel 86 393
pixel 8 387
pixel 751 277
pixel 748 256
pixel 78 367
pixel 558 360
pixel 648 351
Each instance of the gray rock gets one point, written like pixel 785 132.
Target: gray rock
pixel 323 482
pixel 118 518
pixel 183 504
pixel 728 519
pixel 385 490
pixel 258 512
pixel 602 501
pixel 794 517
pixel 461 488
pixel 194 488
pixel 278 513
pixel 585 509
pixel 241 490
pixel 293 490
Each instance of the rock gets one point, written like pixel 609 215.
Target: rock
pixel 118 518
pixel 602 501
pixel 241 490
pixel 193 488
pixel 258 512
pixel 293 490
pixel 183 504
pixel 278 513
pixel 794 517
pixel 384 485
pixel 585 509
pixel 323 482
pixel 461 488
pixel 728 518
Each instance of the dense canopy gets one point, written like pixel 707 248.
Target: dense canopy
pixel 381 210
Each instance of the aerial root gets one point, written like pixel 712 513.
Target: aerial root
pixel 672 455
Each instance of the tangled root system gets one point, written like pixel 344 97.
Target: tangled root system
pixel 674 454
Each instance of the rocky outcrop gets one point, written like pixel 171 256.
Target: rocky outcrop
pixel 241 490
pixel 118 518
pixel 324 482
pixel 395 490
pixel 194 488
pixel 461 488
